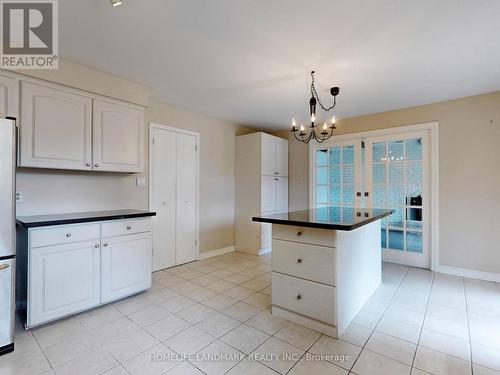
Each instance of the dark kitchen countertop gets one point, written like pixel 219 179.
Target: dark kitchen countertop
pixel 326 217
pixel 79 217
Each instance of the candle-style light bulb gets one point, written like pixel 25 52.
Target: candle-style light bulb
pixel 302 127
pixel 325 126
pixel 294 124
pixel 333 120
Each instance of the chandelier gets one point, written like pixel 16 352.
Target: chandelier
pixel 300 133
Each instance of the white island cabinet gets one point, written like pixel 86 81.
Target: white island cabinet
pixel 68 267
pixel 326 263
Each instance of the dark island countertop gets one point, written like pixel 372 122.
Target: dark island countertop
pixel 79 217
pixel 340 218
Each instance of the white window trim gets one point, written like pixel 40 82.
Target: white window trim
pixel 433 129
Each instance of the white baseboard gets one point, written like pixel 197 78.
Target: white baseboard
pixel 472 274
pixel 265 251
pixel 214 253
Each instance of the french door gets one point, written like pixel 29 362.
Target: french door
pixel 389 171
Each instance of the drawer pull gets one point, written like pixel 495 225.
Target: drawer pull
pixel 299 296
pixel 299 234
pixel 299 260
pixel 4 266
pixel 105 244
pixel 129 227
pixel 68 235
pixel 96 246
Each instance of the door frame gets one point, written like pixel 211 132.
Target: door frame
pixel 433 130
pixel 155 125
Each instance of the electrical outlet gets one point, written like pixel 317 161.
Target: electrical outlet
pixel 141 181
pixel 19 196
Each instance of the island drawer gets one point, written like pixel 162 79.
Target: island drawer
pixel 314 236
pixel 62 234
pixel 304 297
pixel 311 262
pixel 121 227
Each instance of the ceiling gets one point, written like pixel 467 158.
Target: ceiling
pixel 248 61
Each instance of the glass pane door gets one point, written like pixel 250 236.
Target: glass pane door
pixel 396 179
pixel 337 175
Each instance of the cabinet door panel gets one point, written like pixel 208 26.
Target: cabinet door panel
pixel 64 279
pixel 282 157
pixel 9 97
pixel 126 265
pixel 118 137
pixel 282 194
pixel 55 128
pixel 268 194
pixel 268 155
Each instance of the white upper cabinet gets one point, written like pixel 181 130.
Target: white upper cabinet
pixel 56 128
pixel 9 97
pixel 118 137
pixel 268 158
pixel 274 156
pixel 282 157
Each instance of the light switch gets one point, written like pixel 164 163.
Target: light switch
pixel 141 181
pixel 19 196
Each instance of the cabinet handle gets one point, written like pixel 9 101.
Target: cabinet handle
pixel 68 235
pixel 276 173
pixel 96 246
pixel 299 296
pixel 299 234
pixel 129 227
pixel 96 165
pixel 4 266
pixel 105 244
pixel 87 165
pixel 299 260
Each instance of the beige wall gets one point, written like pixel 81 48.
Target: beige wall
pixel 53 191
pixel 469 152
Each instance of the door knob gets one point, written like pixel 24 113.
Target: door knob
pixel 299 234
pixel 68 235
pixel 96 165
pixel 299 260
pixel 96 246
pixel 87 165
pixel 129 227
pixel 105 244
pixel 299 296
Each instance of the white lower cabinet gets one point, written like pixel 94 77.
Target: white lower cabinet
pixel 88 269
pixel 64 279
pixel 126 265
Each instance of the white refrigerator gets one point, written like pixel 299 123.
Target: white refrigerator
pixel 7 233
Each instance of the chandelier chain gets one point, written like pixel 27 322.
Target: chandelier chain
pixel 315 94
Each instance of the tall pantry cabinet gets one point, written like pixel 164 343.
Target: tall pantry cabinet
pixel 261 187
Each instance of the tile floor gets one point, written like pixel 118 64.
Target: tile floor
pixel 207 317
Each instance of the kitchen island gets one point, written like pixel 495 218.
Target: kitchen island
pixel 326 263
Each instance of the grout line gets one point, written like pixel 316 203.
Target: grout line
pixel 468 325
pixel 423 321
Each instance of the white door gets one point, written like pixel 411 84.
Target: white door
pixel 9 97
pixel 337 175
pixel 163 199
pixel 55 128
pixel 174 196
pixel 186 231
pixel 268 193
pixel 64 279
pixel 281 193
pixel 398 177
pixel 118 135
pixel 282 157
pixel 126 265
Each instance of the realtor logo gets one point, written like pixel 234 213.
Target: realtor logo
pixel 29 34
